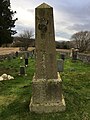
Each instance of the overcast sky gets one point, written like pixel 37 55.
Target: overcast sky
pixel 70 16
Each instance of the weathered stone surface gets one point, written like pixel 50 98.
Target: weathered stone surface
pixel 60 65
pixel 48 107
pixel 63 56
pixel 74 53
pixel 16 53
pixel 22 70
pixel 46 91
pixel 45 43
pixel 46 85
pixel 26 61
pixel 47 96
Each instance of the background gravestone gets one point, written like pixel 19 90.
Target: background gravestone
pixel 60 65
pixel 74 53
pixel 30 54
pixel 16 53
pixel 22 70
pixel 26 62
pixel 63 56
pixel 46 85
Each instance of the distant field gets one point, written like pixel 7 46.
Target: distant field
pixel 7 50
pixel 10 49
pixel 14 49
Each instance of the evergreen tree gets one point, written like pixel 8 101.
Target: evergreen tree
pixel 6 22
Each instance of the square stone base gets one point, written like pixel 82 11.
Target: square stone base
pixel 47 107
pixel 47 96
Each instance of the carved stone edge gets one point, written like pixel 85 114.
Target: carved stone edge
pixel 49 80
pixel 48 107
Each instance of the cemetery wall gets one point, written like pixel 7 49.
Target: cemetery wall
pixel 84 57
pixel 81 56
pixel 66 53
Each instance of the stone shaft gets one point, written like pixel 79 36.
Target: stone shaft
pixel 46 84
pixel 45 43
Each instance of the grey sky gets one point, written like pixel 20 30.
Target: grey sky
pixel 70 16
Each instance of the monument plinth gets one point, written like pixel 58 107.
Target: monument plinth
pixel 46 85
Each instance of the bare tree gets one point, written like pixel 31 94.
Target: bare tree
pixel 81 40
pixel 25 38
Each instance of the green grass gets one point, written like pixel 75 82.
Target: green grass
pixel 15 94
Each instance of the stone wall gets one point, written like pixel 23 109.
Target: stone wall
pixel 81 56
pixel 66 53
pixel 84 57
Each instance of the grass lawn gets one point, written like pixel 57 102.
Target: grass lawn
pixel 15 94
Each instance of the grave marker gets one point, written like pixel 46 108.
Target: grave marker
pixel 46 85
pixel 26 62
pixel 22 70
pixel 60 65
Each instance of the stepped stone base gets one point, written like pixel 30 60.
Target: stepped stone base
pixel 47 107
pixel 47 96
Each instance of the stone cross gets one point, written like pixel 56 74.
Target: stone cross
pixel 46 85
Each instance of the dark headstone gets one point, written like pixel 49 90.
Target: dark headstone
pixel 16 54
pixel 26 61
pixel 26 55
pixel 63 56
pixel 22 70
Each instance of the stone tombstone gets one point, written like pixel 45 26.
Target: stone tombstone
pixel 45 43
pixel 33 51
pixel 26 62
pixel 30 54
pixel 63 56
pixel 46 84
pixel 9 57
pixel 26 55
pixel 60 65
pixel 16 53
pixel 22 70
pixel 74 53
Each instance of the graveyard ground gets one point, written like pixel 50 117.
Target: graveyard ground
pixel 15 94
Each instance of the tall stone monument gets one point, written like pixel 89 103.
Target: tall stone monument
pixel 46 85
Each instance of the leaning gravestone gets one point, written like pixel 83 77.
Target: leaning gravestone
pixel 46 85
